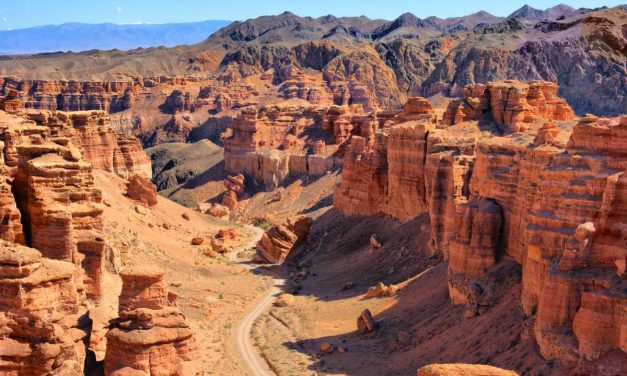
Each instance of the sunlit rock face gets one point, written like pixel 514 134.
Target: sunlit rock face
pixel 151 335
pixel 509 173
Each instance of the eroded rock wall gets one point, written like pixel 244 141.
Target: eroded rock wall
pixel 40 330
pixel 549 194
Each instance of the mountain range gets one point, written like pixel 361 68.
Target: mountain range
pixel 107 36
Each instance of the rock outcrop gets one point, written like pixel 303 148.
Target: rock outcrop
pixel 280 240
pixel 108 96
pixel 271 144
pixel 512 104
pixel 151 336
pixel 142 190
pixel 40 328
pixel 54 192
pixel 549 195
pixel 99 144
pixel 10 217
pixel 234 190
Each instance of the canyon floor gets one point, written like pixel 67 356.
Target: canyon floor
pixel 214 293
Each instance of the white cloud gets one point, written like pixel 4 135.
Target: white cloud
pixel 4 19
pixel 118 9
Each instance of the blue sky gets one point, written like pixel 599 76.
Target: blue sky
pixel 26 13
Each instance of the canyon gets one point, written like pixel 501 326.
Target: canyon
pixel 301 195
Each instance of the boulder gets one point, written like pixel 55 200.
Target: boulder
pixel 366 323
pixel 142 190
pixel 280 240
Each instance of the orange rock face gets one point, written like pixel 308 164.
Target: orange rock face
pixel 10 225
pixel 39 313
pixel 513 104
pixel 54 191
pixel 99 144
pixel 74 96
pixel 276 243
pixel 551 197
pixel 278 141
pixel 151 336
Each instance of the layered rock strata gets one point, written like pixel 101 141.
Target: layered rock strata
pixel 151 336
pixel 234 190
pixel 549 196
pixel 40 330
pixel 73 95
pixel 271 144
pixel 512 104
pixel 100 145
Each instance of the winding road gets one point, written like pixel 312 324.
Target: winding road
pixel 248 353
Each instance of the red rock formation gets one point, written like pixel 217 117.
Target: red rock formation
pixel 151 336
pixel 280 240
pixel 406 152
pixel 235 190
pixel 39 312
pixel 554 200
pixel 72 95
pixel 10 225
pixel 11 103
pixel 142 190
pixel 513 104
pixel 54 192
pixel 474 248
pixel 100 145
pixel 271 143
pixel 363 188
pixel 178 101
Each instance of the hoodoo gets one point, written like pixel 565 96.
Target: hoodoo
pixel 151 336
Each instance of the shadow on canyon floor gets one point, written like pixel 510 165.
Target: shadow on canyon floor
pixel 418 326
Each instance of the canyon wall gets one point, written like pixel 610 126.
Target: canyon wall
pixel 48 201
pixel 63 95
pixel 277 142
pixel 508 174
pixel 40 330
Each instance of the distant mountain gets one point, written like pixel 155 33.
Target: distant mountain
pixel 529 13
pixel 82 37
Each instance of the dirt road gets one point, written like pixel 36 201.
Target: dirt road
pixel 247 351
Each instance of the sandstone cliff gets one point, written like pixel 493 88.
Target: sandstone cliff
pixel 547 194
pixel 40 330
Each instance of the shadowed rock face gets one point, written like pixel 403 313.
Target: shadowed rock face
pixel 151 336
pixel 546 195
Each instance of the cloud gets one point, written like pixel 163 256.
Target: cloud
pixel 4 19
pixel 118 9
